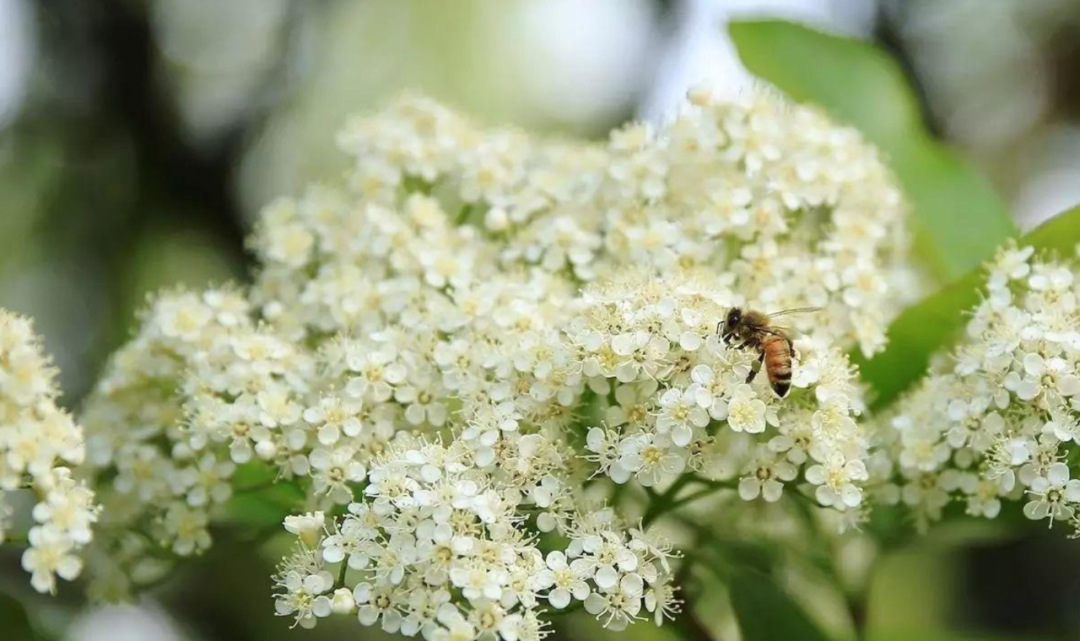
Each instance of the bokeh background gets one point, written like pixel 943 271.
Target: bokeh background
pixel 139 138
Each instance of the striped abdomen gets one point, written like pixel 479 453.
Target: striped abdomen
pixel 777 351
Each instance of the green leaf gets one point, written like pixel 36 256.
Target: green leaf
pixel 263 507
pixel 734 552
pixel 906 634
pixel 1060 234
pixel 958 218
pixel 14 620
pixel 766 612
pixel 930 326
pixel 916 335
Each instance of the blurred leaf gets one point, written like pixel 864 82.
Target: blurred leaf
pixel 169 256
pixel 722 551
pixel 938 635
pixel 916 335
pixel 263 506
pixel 253 474
pixel 766 612
pixel 732 552
pixel 890 526
pixel 14 621
pixel 958 218
pixel 28 176
pixel 1060 234
pixel 924 329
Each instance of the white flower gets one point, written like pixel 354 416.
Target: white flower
pixel 642 355
pixel 37 443
pixel 661 601
pixel 423 402
pixel 376 374
pixel 617 605
pixel 680 414
pixel 710 391
pixel 632 404
pixel 564 580
pixel 766 478
pixel 836 480
pixel 302 586
pixel 375 603
pixel 50 554
pixel 651 458
pixel 187 528
pixel 746 412
pixel 307 527
pixel 334 469
pixel 1053 495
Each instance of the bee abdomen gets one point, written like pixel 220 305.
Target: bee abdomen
pixel 778 363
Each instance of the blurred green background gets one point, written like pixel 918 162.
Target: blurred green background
pixel 138 139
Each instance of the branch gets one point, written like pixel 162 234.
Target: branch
pixel 660 504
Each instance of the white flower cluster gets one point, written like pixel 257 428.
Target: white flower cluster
pixel 198 391
pixel 794 210
pixel 38 440
pixel 438 336
pixel 999 419
pixel 673 396
pixel 444 546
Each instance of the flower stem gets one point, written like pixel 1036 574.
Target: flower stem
pixel 341 574
pixel 660 504
pixel 19 540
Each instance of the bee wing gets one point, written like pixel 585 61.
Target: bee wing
pixel 775 330
pixel 795 310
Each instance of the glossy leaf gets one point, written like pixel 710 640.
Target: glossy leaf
pixel 766 612
pixel 260 500
pixel 958 218
pixel 14 621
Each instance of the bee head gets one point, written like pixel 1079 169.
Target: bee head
pixel 731 323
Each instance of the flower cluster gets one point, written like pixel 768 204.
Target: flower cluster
pixel 445 546
pixel 673 396
pixel 443 352
pixel 38 441
pixel 200 389
pixel 793 210
pixel 998 419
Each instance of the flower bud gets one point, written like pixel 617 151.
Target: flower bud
pixel 343 601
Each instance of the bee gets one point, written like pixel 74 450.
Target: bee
pixel 747 328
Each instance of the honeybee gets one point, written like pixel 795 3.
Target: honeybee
pixel 748 328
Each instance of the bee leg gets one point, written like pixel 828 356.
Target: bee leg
pixel 755 368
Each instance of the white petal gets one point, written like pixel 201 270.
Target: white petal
pixel 1058 475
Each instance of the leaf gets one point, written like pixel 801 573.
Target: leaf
pixel 958 218
pixel 906 634
pixel 766 612
pixel 734 552
pixel 14 620
pixel 915 336
pixel 263 507
pixel 1060 234
pixel 930 326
